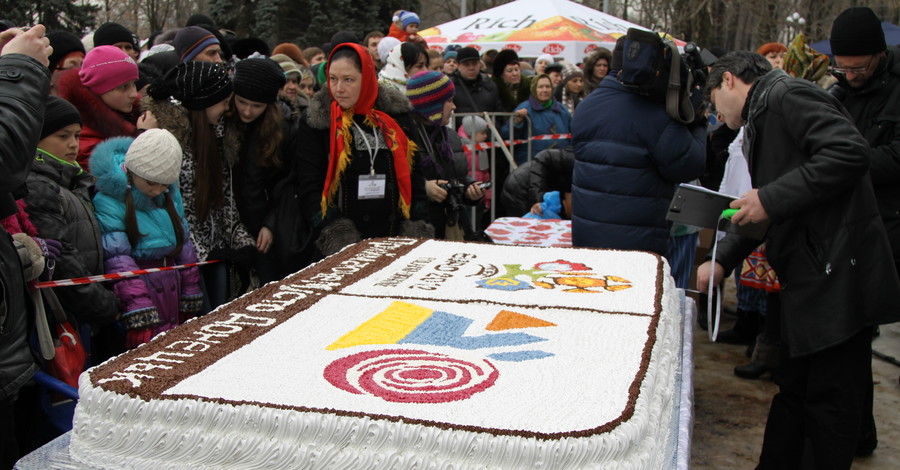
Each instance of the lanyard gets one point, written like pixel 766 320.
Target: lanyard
pixel 372 152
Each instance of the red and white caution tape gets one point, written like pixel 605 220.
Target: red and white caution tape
pixel 114 276
pixel 488 145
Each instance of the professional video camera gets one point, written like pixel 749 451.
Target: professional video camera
pixel 654 67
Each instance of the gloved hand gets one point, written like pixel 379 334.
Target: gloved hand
pixel 243 257
pixel 30 255
pixel 51 250
pixel 137 336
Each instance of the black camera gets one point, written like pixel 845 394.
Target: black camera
pixel 456 191
pixel 693 59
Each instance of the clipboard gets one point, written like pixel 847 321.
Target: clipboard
pixel 701 207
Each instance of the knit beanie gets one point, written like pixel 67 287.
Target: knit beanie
pixel 110 33
pixel 449 55
pixel 106 67
pixel 155 155
pixel 857 31
pixel 288 66
pixel 199 18
pixel 63 43
pixel 59 113
pixel 408 18
pixel 504 58
pixel 291 50
pixel 569 72
pixel 768 47
pixel 545 57
pixel 258 80
pixel 473 125
pixel 198 85
pixel 191 40
pixel 428 91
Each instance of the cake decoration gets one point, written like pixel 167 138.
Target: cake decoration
pixel 411 376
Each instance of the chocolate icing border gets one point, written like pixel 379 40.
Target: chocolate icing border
pixel 166 381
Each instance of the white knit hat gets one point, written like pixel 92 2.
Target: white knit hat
pixel 155 156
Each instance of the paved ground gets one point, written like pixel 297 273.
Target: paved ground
pixel 730 412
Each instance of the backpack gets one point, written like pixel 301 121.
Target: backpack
pixel 653 68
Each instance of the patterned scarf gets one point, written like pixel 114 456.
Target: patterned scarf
pixel 341 135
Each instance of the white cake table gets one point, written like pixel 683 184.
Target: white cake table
pixel 55 454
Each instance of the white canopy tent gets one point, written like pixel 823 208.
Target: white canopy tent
pixel 561 28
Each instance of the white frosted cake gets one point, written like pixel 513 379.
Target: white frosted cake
pixel 406 354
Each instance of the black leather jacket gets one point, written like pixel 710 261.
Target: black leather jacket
pixel 24 87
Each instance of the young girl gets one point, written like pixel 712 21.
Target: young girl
pixel 138 205
pixel 431 94
pixel 258 119
pixel 105 93
pixel 190 102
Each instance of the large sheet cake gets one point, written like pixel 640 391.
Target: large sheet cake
pixel 402 353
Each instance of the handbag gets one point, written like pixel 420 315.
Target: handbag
pixel 65 356
pixel 757 273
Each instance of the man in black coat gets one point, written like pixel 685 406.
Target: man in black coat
pixel 869 87
pixel 809 167
pixel 24 87
pixel 475 92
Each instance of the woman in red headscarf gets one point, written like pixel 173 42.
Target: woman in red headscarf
pixel 355 163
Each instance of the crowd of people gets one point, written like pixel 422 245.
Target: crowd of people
pixel 194 147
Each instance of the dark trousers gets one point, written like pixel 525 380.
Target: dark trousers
pixel 817 411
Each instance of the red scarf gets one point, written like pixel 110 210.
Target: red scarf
pixel 341 134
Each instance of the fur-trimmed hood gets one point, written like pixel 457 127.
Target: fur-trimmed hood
pixel 108 166
pixel 95 114
pixel 389 100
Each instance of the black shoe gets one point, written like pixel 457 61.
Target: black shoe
pixel 751 371
pixel 866 445
pixel 734 336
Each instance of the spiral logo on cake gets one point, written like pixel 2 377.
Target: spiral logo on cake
pixel 411 376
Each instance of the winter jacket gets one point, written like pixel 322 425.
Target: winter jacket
pixel 155 299
pixel 512 96
pixel 253 183
pixel 549 170
pixel 475 96
pixel 826 242
pixel 554 120
pixel 222 229
pixel 875 109
pixel 24 87
pixel 373 217
pixel 59 205
pixel 98 121
pixel 627 164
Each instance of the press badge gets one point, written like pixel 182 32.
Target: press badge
pixel 371 186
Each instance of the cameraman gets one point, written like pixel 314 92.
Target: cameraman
pixel 441 158
pixel 629 156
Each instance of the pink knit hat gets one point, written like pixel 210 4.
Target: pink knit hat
pixel 106 67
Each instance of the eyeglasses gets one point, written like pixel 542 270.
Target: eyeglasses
pixel 854 70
